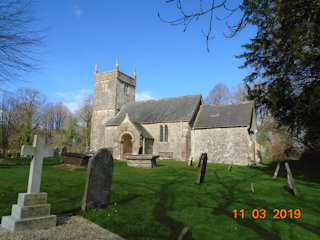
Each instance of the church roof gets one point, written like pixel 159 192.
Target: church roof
pixel 224 115
pixel 159 110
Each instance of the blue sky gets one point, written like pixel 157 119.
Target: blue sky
pixel 169 62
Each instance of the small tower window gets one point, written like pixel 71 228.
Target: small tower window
pixel 166 133
pixel 161 133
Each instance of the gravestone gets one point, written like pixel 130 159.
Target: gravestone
pixel 185 234
pixel 190 161
pixel 99 178
pixel 290 182
pixel 202 170
pixel 27 150
pixel 64 150
pixel 276 171
pixel 31 211
pixel 199 162
pixel 56 152
pixel 6 164
pixel 230 167
pixel 252 188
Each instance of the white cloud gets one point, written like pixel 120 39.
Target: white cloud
pixel 74 100
pixel 77 11
pixel 146 95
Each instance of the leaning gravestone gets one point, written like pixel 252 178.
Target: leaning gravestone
pixel 98 184
pixel 276 172
pixel 31 212
pixel 203 165
pixel 290 182
pixel 190 161
pixel 185 234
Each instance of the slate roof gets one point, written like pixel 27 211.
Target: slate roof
pixel 224 115
pixel 160 110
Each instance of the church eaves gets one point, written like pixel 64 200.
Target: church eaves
pixel 159 110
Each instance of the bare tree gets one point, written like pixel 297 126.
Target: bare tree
pixel 239 93
pixel 9 111
pixel 219 94
pixel 85 115
pixel 19 39
pixel 207 8
pixel 60 112
pixel 31 102
pixel 48 120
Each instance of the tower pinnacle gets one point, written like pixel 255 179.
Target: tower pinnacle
pixel 135 73
pixel 96 68
pixel 117 64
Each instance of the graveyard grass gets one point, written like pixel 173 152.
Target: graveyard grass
pixel 158 203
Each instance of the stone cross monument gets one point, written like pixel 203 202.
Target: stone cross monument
pixel 31 212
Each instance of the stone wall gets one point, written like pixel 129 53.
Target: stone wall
pixel 125 94
pixel 112 90
pixel 126 127
pixel 109 131
pixel 98 122
pixel 178 139
pixel 224 145
pixel 149 146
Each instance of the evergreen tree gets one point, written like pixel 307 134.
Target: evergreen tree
pixel 285 59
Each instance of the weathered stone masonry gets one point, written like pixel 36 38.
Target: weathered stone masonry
pixel 227 132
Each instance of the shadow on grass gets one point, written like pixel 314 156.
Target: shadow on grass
pixel 161 209
pixel 249 222
pixel 303 170
pixel 128 198
pixel 246 222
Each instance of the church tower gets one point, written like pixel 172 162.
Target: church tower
pixel 112 90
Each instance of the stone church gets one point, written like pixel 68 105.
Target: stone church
pixel 173 128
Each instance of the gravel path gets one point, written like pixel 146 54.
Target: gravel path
pixel 68 227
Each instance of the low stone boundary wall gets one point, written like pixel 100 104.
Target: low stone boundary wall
pixel 142 161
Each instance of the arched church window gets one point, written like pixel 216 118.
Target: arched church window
pixel 166 133
pixel 161 133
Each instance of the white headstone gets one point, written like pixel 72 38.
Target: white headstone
pixel 31 211
pixel 28 151
pixel 36 164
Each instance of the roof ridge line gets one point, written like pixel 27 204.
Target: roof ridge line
pixel 226 104
pixel 165 98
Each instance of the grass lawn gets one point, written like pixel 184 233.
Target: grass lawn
pixel 157 203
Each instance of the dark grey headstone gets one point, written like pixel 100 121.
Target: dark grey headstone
pixel 203 165
pixel 99 178
pixel 199 162
pixel 64 150
pixel 185 234
pixel 56 152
